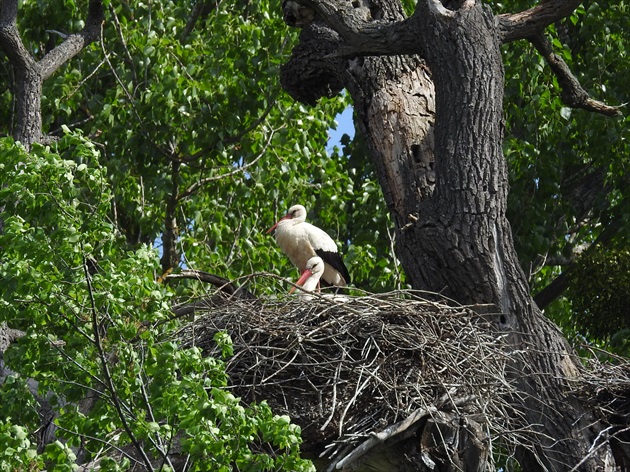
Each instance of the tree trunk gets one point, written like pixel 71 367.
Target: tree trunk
pixel 28 93
pixel 445 181
pixel 462 244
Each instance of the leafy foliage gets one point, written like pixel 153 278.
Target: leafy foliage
pixel 567 167
pixel 600 293
pixel 196 117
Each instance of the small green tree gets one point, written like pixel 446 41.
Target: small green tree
pixel 97 327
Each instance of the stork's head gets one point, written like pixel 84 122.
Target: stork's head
pixel 315 265
pixel 295 215
pixel 311 275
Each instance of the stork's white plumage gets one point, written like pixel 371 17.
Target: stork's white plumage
pixel 309 280
pixel 301 241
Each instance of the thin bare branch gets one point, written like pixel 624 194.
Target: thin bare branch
pixel 106 443
pixel 130 98
pixel 200 183
pixel 222 283
pixel 128 59
pixel 109 383
pixel 573 94
pixel 560 284
pixel 159 445
pixel 236 138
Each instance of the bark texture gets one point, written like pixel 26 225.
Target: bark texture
pixel 434 126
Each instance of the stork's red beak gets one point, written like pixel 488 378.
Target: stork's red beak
pixel 272 228
pixel 303 278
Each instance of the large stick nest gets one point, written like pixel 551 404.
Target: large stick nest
pixel 356 373
pixel 344 371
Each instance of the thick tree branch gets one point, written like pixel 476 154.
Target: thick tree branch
pixel 573 94
pixel 7 336
pixel 224 286
pixel 13 47
pixel 364 35
pixel 170 255
pixel 382 39
pixel 372 38
pixel 400 427
pixel 74 43
pixel 513 26
pixel 585 189
pixel 338 15
pixel 201 9
pixel 221 283
pixel 192 20
pixel 10 40
pixel 28 80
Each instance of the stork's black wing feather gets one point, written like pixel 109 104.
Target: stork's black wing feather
pixel 335 261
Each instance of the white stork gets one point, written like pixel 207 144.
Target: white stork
pixel 309 280
pixel 301 241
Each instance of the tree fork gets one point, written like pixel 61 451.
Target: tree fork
pixel 31 74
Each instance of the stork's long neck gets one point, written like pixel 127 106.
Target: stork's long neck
pixel 311 283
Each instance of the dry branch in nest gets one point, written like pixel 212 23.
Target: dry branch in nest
pixel 369 371
pixel 606 387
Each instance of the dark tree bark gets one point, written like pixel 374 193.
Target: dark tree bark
pixel 438 154
pixel 30 74
pixel 170 255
